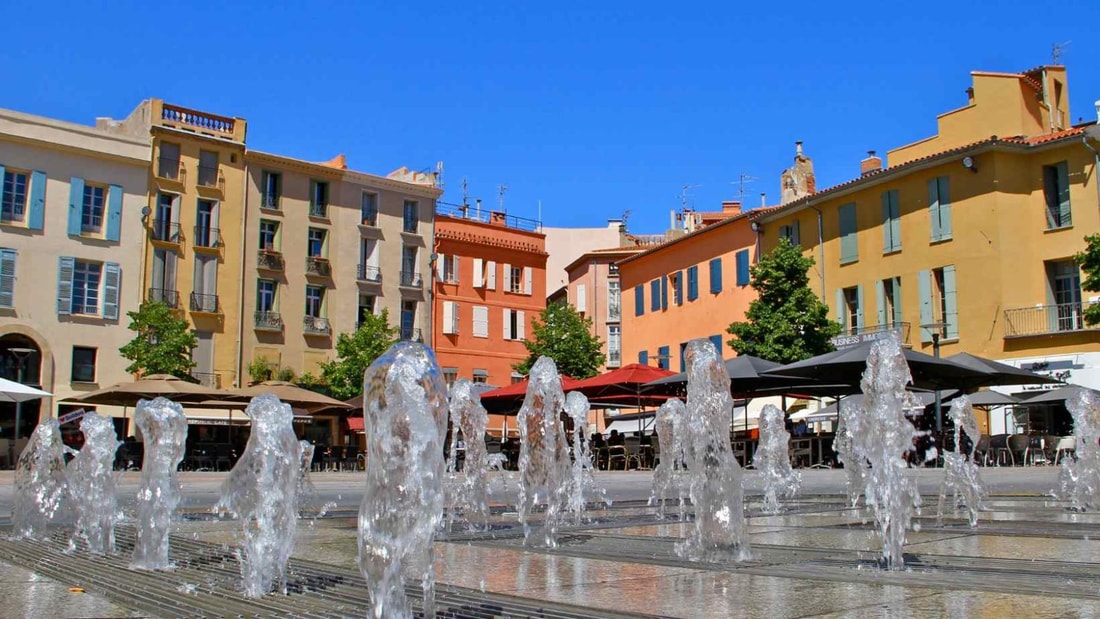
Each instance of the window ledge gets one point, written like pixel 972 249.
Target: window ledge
pixel 90 385
pixel 891 252
pixel 1058 229
pixel 943 240
pixel 849 261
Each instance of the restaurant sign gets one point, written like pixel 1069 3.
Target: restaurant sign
pixel 848 341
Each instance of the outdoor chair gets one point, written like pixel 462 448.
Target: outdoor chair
pixel 202 458
pixel 981 453
pixel 998 443
pixel 633 451
pixel 616 453
pixel 1066 446
pixel 801 452
pixel 1018 445
pixel 333 458
pixel 351 459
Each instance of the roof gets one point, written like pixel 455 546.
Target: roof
pixel 690 235
pixel 607 252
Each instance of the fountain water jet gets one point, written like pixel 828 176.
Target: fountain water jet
pixel 92 485
pixel 262 492
pixel 40 482
pixel 773 459
pixel 1080 476
pixel 961 474
pixel 670 428
pixel 405 416
pixel 881 436
pixel 307 492
pixel 715 475
pixel 582 484
pixel 469 416
pixel 543 459
pixel 854 467
pixel 163 427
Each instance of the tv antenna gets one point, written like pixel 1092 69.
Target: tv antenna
pixel 626 218
pixel 742 180
pixel 439 174
pixel 684 195
pixel 1057 50
pixel 465 192
pixel 500 195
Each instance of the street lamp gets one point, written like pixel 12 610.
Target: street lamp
pixel 937 330
pixel 21 355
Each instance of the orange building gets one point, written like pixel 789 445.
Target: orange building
pixel 690 287
pixel 595 293
pixel 490 284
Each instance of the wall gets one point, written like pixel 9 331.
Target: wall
pixel 567 244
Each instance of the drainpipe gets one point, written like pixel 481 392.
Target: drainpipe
pixel 240 283
pixel 1046 102
pixel 1095 166
pixel 820 249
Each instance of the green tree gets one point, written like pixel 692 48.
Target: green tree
pixel 356 351
pixel 1089 262
pixel 786 322
pixel 566 337
pixel 162 342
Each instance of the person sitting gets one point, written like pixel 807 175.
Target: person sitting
pixel 615 438
pixel 596 441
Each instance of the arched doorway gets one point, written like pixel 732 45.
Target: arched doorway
pixel 20 361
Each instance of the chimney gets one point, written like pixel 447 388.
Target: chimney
pixel 731 208
pixel 498 218
pixel 798 148
pixel 873 163
pixel 763 199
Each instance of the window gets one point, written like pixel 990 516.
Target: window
pixel 891 222
pixel 517 377
pixel 91 210
pixel 449 266
pixel 7 277
pixel 850 309
pixel 513 324
pixel 206 224
pixel 693 283
pixel 939 208
pixel 86 280
pixel 450 375
pixel 716 340
pixel 663 358
pixel 481 377
pixel 163 283
pixel 849 247
pixel 168 163
pixel 1064 280
pixel 677 279
pixel 938 302
pixel 716 276
pixel 315 298
pixel 272 189
pixel 581 303
pixel 411 219
pixel 208 168
pixel 408 320
pixel 450 317
pixel 888 301
pixel 791 233
pixel 517 280
pixel 369 209
pixel 409 276
pixel 83 370
pixel 643 357
pixel 204 286
pixel 742 260
pixel 481 321
pixel 266 294
pixel 614 302
pixel 13 199
pixel 1056 194
pixel 639 300
pixel 318 199
pixel 269 233
pixel 614 346
pixel 165 222
pixel 316 243
pixel 683 356
pixel 366 308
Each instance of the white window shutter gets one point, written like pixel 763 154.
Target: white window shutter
pixel 440 260
pixel 507 324
pixel 526 280
pixel 519 325
pixel 582 299
pixel 454 265
pixel 492 278
pixel 507 277
pixel 456 317
pixel 479 277
pixel 481 321
pixel 448 316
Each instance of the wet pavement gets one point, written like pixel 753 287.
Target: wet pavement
pixel 1028 555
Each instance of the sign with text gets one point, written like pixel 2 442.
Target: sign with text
pixel 71 416
pixel 848 341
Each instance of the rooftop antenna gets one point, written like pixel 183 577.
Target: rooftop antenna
pixel 439 174
pixel 626 217
pixel 500 195
pixel 742 180
pixel 684 195
pixel 465 192
pixel 1057 50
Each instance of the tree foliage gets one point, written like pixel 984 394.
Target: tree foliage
pixel 566 337
pixel 356 351
pixel 786 322
pixel 1089 263
pixel 162 342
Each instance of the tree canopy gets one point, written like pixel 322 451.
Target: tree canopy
pixel 162 342
pixel 1089 263
pixel 343 377
pixel 566 337
pixel 786 322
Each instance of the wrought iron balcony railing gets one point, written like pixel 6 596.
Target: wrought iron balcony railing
pixel 319 266
pixel 318 209
pixel 205 303
pixel 314 325
pixel 269 321
pixel 270 260
pixel 1046 319
pixel 166 231
pixel 369 273
pixel 209 380
pixel 209 238
pixel 270 201
pixel 171 298
pixel 408 278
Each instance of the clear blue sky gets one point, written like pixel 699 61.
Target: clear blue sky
pixel 593 108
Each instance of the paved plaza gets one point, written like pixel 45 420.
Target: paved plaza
pixel 1028 556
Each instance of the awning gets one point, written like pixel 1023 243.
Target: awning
pixel 355 424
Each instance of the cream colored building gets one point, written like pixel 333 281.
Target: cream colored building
pixel 323 245
pixel 71 237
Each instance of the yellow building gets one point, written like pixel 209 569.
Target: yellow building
pixel 971 232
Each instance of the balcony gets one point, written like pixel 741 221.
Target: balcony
pixel 369 274
pixel 169 168
pixel 1046 320
pixel 854 337
pixel 210 176
pixel 269 321
pixel 410 279
pixel 200 122
pixel 314 325
pixel 269 260
pixel 171 298
pixel 207 238
pixel 318 266
pixel 205 303
pixel 318 209
pixel 209 380
pixel 270 201
pixel 411 335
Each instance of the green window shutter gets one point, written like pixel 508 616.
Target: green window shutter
pixel 950 301
pixel 1063 193
pixel 664 292
pixel 891 221
pixel 112 274
pixel 38 200
pixel 849 249
pixel 76 204
pixel 693 283
pixel 859 306
pixel 114 212
pixel 897 300
pixel 7 277
pixel 796 237
pixel 924 286
pixel 655 295
pixel 841 308
pixel 639 300
pixel 880 302
pixel 944 193
pixel 65 268
pixel 934 207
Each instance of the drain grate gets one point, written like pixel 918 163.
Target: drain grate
pixel 205 583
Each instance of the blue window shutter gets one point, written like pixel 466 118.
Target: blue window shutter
pixel 841 308
pixel 693 283
pixel 897 301
pixel 1063 194
pixel 664 292
pixel 112 275
pixel 924 286
pixel 742 258
pixel 880 302
pixel 950 302
pixel 849 249
pixel 114 212
pixel 860 308
pixel 678 289
pixel 643 357
pixel 65 268
pixel 655 295
pixel 76 204
pixel 683 356
pixel 716 275
pixel 662 357
pixel 639 300
pixel 38 200
pixel 944 192
pixel 7 277
pixel 717 341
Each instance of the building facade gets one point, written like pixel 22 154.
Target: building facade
pixel 71 240
pixel 595 292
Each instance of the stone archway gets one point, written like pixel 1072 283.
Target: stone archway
pixel 37 369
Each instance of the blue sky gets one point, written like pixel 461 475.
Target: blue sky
pixel 593 108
